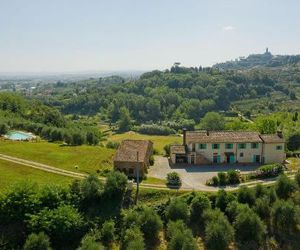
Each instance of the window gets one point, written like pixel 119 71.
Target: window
pixel 278 147
pixel 241 154
pixel 202 146
pixel 242 145
pixel 229 146
pixel 215 146
pixel 254 145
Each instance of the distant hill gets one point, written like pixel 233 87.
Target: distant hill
pixel 259 60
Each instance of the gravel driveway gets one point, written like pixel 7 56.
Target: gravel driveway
pixel 192 176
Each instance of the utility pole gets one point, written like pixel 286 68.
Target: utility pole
pixel 137 170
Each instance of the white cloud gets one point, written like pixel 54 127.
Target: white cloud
pixel 228 28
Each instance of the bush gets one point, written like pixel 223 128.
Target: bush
pixel 222 178
pixel 246 195
pixel 271 170
pixel 199 203
pixel 112 144
pixel 173 179
pixel 233 177
pixel 151 160
pixel 215 181
pixel 155 129
pixel 167 149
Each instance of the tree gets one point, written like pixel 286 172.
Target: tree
pixel 125 120
pixel 297 178
pixel 64 224
pixel 3 128
pixel 262 208
pixel 89 242
pixel 250 230
pixel 266 125
pixel 218 234
pixel 133 239
pixel 199 203
pixel 233 177
pixel 108 232
pixel 180 236
pixel 151 224
pixel 284 187
pixel 38 241
pixel 223 199
pixel 285 218
pixel 115 185
pixel 91 187
pixel 177 210
pixel 293 142
pixel 246 195
pixel 212 121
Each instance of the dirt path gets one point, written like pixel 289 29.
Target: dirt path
pixel 63 172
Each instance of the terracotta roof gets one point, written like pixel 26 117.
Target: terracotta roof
pixel 221 136
pixel 272 138
pixel 177 149
pixel 127 151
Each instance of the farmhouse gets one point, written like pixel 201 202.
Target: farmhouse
pixel 213 147
pixel 133 156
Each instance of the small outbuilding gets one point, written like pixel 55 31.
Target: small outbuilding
pixel 133 156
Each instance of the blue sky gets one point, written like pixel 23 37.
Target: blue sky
pixel 91 35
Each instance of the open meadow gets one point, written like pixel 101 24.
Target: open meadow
pixel 84 159
pixel 12 173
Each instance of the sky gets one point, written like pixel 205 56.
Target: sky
pixel 115 35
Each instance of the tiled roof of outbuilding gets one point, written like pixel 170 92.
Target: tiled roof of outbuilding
pixel 127 151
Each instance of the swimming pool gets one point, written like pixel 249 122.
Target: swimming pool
pixel 18 136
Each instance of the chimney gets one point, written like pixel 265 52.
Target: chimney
pixel 279 133
pixel 207 132
pixel 184 136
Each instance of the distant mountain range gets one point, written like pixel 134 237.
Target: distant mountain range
pixel 259 60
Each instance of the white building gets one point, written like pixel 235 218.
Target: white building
pixel 213 147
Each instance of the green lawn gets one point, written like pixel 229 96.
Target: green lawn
pixel 159 141
pixel 12 173
pixel 84 159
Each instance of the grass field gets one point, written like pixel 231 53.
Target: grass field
pixel 12 173
pixel 158 141
pixel 84 159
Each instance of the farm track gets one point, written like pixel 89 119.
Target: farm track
pixel 68 173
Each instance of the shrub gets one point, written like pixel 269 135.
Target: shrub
pixel 271 170
pixel 173 179
pixel 167 149
pixel 199 204
pixel 222 178
pixel 215 181
pixel 133 239
pixel 108 232
pixel 151 160
pixel 112 144
pixel 233 177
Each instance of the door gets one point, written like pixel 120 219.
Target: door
pixel 256 158
pixel 231 159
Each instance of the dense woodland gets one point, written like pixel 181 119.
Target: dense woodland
pixel 92 215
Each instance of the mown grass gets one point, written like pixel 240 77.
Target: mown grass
pixel 12 173
pixel 153 180
pixel 84 159
pixel 159 141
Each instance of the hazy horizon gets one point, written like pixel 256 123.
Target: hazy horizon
pixel 46 37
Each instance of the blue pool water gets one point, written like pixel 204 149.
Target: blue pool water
pixel 18 136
